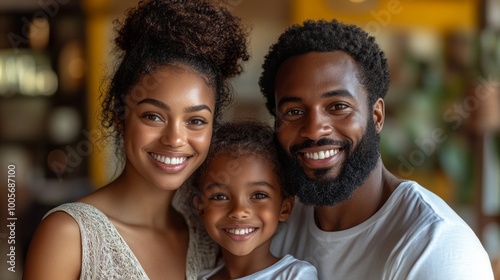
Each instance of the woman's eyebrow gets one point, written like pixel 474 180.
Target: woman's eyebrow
pixel 161 105
pixel 197 108
pixel 154 102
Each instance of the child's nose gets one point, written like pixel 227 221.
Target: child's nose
pixel 239 210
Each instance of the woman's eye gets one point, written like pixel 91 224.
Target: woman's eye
pixel 260 195
pixel 218 197
pixel 152 117
pixel 197 121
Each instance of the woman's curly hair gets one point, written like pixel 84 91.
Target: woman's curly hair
pixel 242 138
pixel 327 36
pixel 193 33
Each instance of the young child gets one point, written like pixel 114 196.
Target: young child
pixel 241 201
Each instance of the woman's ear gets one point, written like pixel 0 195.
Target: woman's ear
pixel 379 114
pixel 286 208
pixel 198 204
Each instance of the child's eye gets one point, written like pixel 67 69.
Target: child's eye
pixel 260 195
pixel 218 196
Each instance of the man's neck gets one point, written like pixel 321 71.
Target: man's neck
pixel 366 200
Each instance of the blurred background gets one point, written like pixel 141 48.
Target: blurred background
pixel 443 109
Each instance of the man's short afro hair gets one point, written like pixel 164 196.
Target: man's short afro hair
pixel 328 36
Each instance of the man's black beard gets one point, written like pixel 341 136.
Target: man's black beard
pixel 324 191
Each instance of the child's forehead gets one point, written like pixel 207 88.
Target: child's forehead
pixel 239 154
pixel 238 165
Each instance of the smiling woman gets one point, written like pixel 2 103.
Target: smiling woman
pixel 167 133
pixel 163 101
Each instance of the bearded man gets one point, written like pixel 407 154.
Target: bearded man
pixel 325 83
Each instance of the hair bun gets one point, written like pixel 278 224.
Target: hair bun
pixel 192 28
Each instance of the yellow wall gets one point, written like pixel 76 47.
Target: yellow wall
pixel 440 15
pixel 96 26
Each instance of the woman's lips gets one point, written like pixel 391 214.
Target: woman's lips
pixel 169 164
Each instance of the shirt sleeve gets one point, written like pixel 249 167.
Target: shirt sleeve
pixel 446 250
pixel 308 272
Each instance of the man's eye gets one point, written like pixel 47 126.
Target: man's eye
pixel 293 112
pixel 338 106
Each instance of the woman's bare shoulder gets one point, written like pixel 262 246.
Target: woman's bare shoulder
pixel 55 249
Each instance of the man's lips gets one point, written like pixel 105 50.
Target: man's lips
pixel 319 155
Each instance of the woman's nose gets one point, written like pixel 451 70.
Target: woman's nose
pixel 174 135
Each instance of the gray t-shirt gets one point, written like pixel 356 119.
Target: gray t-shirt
pixel 414 235
pixel 288 268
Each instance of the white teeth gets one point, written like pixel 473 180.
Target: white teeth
pixel 322 154
pixel 240 231
pixel 169 160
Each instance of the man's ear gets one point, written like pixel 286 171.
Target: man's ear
pixel 198 204
pixel 379 114
pixel 286 208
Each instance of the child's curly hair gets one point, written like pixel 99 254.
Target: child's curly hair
pixel 192 33
pixel 241 138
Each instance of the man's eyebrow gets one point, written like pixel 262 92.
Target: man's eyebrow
pixel 161 105
pixel 286 100
pixel 339 92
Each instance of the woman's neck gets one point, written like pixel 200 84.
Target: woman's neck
pixel 130 200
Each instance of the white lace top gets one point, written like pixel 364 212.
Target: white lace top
pixel 105 255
